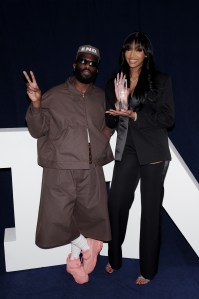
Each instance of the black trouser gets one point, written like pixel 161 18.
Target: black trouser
pixel 126 176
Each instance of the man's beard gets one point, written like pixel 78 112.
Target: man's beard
pixel 85 80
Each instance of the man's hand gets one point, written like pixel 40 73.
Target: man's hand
pixel 33 89
pixel 108 132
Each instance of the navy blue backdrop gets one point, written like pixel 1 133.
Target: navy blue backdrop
pixel 43 36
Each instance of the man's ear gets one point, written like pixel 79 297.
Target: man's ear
pixel 74 66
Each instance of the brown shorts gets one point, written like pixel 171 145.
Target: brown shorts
pixel 72 202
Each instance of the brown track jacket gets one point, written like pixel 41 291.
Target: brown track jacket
pixel 61 124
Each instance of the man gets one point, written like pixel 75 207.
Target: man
pixel 73 144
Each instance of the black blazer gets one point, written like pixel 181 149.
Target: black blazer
pixel 149 131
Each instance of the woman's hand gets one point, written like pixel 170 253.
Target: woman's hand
pixel 33 89
pixel 128 113
pixel 121 92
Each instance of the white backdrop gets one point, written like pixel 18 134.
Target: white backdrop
pixel 18 152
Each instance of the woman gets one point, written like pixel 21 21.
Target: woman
pixel 142 111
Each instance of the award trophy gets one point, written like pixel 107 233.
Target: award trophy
pixel 123 94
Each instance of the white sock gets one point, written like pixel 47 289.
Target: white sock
pixel 81 243
pixel 75 252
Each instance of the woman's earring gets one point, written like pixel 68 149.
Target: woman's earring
pixel 74 65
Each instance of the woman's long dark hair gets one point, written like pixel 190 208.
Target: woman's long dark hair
pixel 146 78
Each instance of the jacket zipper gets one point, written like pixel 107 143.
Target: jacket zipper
pixel 88 136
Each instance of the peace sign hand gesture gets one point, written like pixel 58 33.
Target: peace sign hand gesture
pixel 33 89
